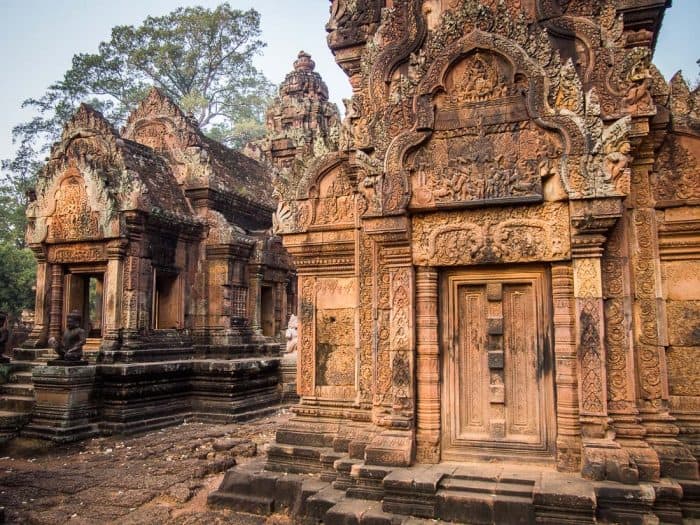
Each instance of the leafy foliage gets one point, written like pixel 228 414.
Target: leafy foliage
pixel 202 58
pixel 17 275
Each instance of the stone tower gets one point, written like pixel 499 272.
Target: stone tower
pixel 301 122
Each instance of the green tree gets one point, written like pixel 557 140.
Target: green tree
pixel 17 275
pixel 202 58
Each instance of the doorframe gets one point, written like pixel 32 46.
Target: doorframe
pixel 539 277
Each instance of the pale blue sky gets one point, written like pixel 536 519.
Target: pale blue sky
pixel 39 37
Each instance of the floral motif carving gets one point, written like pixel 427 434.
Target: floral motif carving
pixel 305 379
pixel 472 237
pixel 591 362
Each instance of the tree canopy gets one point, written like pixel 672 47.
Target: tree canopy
pixel 202 58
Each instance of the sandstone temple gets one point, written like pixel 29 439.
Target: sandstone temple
pixel 494 262
pixel 159 240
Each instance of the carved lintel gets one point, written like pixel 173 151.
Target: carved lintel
pixel 592 220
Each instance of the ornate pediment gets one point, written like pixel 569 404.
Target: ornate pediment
pixel 73 218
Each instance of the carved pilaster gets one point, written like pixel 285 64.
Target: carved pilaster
pixel 306 364
pixel 280 310
pixel 394 396
pixel 135 271
pixel 603 458
pixel 130 300
pixel 254 291
pixel 568 426
pixel 116 252
pixel 39 334
pixel 621 380
pixel 427 367
pixel 56 309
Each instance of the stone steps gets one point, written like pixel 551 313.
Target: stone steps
pixel 467 493
pixel 17 389
pixel 17 395
pixel 17 403
pixel 486 496
pixel 21 378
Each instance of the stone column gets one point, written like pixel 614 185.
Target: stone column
pixel 254 306
pixel 279 308
pixel 427 367
pixel 56 309
pixel 621 381
pixel 113 294
pixel 568 426
pixel 39 334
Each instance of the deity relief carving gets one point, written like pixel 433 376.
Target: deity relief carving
pixel 336 204
pixel 471 168
pixel 478 86
pixel 73 218
pixel 617 148
pixel 475 237
pixel 477 80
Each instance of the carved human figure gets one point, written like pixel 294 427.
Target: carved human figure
pixel 291 334
pixel 638 98
pixel 70 347
pixel 479 80
pixel 615 167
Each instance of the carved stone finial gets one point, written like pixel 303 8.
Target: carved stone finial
pixel 304 62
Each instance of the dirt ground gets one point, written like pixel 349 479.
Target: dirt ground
pixel 159 477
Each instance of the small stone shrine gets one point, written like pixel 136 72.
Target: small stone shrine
pixel 158 240
pixel 498 273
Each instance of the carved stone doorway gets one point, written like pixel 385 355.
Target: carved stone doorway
pixel 497 391
pixel 84 292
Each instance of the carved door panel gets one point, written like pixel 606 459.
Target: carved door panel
pixel 497 385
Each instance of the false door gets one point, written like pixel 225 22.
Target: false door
pixel 497 373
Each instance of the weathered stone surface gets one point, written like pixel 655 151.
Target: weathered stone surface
pixel 497 264
pixel 155 477
pixel 157 242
